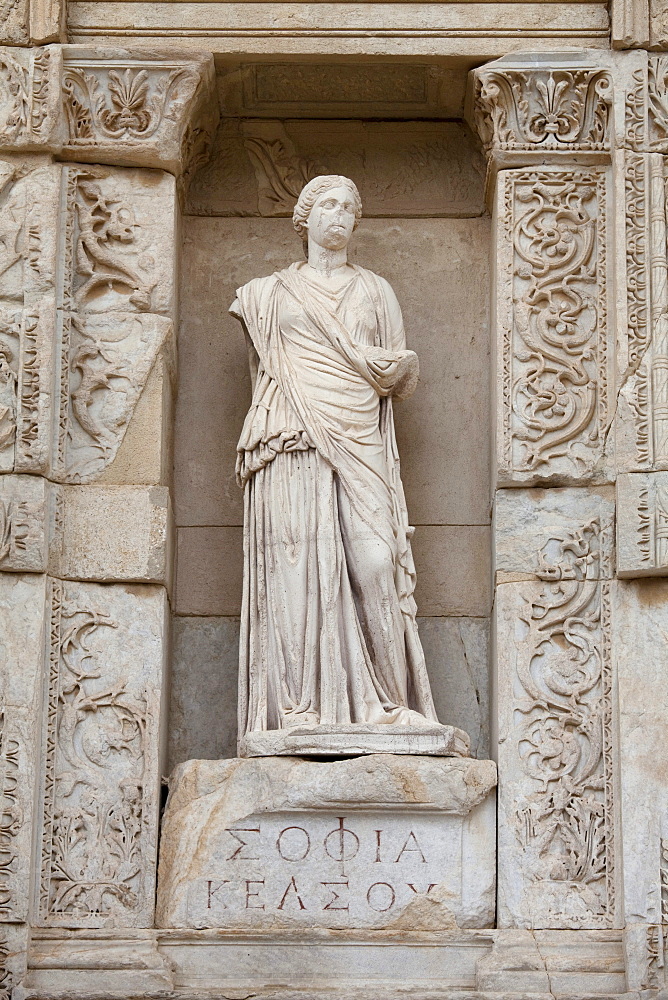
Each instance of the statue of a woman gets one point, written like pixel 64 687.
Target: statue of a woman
pixel 328 632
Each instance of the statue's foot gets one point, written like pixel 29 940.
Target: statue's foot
pixel 301 719
pixel 401 717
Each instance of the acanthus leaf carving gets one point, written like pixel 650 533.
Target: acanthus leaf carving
pixel 562 731
pixel 279 170
pixel 558 109
pixel 554 353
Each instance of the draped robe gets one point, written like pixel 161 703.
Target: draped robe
pixel 328 631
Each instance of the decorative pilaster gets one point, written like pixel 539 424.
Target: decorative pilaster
pixel 87 301
pixel 581 298
pixel 549 129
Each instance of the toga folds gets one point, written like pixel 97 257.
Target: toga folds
pixel 328 631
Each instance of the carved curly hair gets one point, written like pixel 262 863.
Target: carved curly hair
pixel 312 191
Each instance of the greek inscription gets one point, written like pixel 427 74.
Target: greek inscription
pixel 297 847
pixel 242 843
pixel 411 850
pixel 292 886
pixel 341 844
pixel 379 899
pixel 211 892
pixel 335 895
pixel 253 894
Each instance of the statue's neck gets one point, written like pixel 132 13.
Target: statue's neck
pixel 325 261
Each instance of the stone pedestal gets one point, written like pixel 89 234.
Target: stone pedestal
pixel 348 741
pixel 377 842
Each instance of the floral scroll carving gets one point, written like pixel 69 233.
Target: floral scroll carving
pixel 563 730
pixel 554 346
pixel 11 819
pixel 92 857
pixel 567 109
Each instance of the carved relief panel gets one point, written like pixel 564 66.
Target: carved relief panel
pixel 555 712
pixel 106 658
pixel 553 354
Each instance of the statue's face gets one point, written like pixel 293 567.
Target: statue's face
pixel 332 219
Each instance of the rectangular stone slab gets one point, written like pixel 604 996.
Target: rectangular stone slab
pixel 378 842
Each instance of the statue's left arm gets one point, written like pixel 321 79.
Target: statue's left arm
pixel 394 366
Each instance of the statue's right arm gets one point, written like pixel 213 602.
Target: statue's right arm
pixel 253 359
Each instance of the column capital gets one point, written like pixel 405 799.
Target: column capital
pixel 547 109
pixel 112 106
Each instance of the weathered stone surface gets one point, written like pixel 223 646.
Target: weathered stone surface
pixel 103 735
pixel 309 824
pixel 144 454
pixel 24 523
pixel 640 625
pixel 554 683
pixel 209 571
pixel 457 654
pixel 530 525
pixel 203 702
pixel 642 524
pixel 110 358
pixel 113 533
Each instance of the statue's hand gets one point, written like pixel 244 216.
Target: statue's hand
pixel 396 372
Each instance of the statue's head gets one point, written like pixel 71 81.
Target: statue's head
pixel 328 209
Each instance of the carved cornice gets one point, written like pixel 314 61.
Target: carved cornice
pixel 548 110
pixel 108 106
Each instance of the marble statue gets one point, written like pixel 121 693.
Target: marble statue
pixel 329 634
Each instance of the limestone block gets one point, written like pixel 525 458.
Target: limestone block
pixel 209 571
pixel 553 405
pixel 453 570
pixel 107 654
pixel 355 739
pixel 443 430
pixel 457 655
pixel 203 695
pixel 470 31
pixel 152 108
pixel 28 227
pixel 24 514
pixel 110 359
pixel 554 683
pixel 529 526
pixel 22 627
pixel 32 22
pixel 335 90
pixel 401 843
pixel 113 533
pixel 119 963
pixel 30 87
